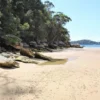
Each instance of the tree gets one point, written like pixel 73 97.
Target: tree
pixel 31 20
pixel 60 19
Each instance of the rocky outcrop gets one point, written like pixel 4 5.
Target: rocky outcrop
pixel 26 52
pixel 61 44
pixel 52 46
pixel 25 60
pixel 40 56
pixel 76 46
pixel 8 63
pixel 33 44
pixel 25 45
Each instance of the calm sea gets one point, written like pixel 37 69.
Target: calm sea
pixel 91 46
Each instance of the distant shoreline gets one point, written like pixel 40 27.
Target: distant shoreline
pixel 91 45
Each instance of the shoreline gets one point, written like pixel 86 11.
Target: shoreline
pixel 77 79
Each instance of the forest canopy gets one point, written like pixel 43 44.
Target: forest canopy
pixel 32 20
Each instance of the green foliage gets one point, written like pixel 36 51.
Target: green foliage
pixel 11 39
pixel 1 14
pixel 31 20
pixel 25 26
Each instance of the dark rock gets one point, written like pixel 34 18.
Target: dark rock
pixel 38 42
pixel 76 46
pixel 45 44
pixel 48 49
pixel 52 46
pixel 61 44
pixel 33 44
pixel 25 45
pixel 56 43
pixel 3 49
pixel 40 46
pixel 0 50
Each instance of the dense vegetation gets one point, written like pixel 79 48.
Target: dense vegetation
pixel 32 21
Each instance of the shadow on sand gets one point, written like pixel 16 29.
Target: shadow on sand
pixel 13 88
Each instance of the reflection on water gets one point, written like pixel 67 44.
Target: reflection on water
pixel 56 62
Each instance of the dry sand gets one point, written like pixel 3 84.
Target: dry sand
pixel 78 79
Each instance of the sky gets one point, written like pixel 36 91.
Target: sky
pixel 85 15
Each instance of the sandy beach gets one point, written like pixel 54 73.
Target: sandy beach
pixel 77 79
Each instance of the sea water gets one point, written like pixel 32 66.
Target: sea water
pixel 91 46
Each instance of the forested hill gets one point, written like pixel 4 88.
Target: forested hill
pixel 90 42
pixel 32 21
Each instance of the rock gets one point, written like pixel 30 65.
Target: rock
pixel 38 42
pixel 52 46
pixel 25 45
pixel 26 52
pixel 40 56
pixel 8 63
pixel 25 60
pixel 43 57
pixel 76 46
pixel 40 46
pixel 3 49
pixel 7 55
pixel 61 44
pixel 0 50
pixel 68 44
pixel 48 49
pixel 33 44
pixel 45 44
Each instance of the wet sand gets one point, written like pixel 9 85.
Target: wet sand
pixel 77 79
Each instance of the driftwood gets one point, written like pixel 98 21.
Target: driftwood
pixel 25 60
pixel 26 52
pixel 10 64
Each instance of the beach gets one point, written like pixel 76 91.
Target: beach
pixel 77 79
